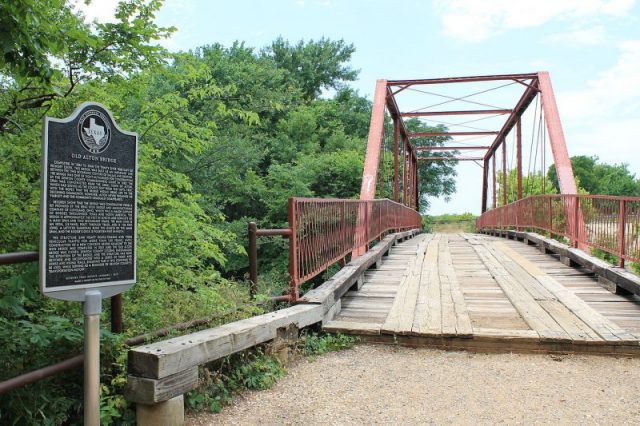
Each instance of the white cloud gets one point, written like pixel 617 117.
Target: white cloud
pixel 479 20
pixel 616 91
pixel 603 117
pixel 581 36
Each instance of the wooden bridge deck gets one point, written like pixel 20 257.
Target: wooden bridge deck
pixel 469 291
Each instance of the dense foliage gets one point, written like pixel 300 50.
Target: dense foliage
pixel 227 135
pixel 600 178
pixel 448 223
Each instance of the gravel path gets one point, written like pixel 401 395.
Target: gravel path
pixel 394 385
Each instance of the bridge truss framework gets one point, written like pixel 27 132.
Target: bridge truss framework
pixel 405 175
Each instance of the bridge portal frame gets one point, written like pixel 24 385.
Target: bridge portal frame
pixel 535 84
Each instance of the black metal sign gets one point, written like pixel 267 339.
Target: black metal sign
pixel 88 225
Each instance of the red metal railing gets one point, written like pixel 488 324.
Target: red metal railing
pixel 608 223
pixel 324 231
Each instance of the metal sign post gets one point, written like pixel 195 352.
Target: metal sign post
pixel 92 310
pixel 88 224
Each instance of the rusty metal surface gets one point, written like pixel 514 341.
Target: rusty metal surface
pixel 561 159
pixel 607 223
pixel 327 230
pixel 372 158
pixel 435 134
pixel 40 374
pixel 18 257
pixel 461 112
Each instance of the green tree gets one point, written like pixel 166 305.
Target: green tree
pixel 314 65
pixel 435 178
pixel 600 178
pixel 533 184
pixel 49 49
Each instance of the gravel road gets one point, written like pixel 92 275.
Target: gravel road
pixel 394 385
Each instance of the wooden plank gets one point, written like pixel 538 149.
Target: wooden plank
pixel 597 322
pixel 400 317
pixel 151 391
pixel 341 326
pixel 162 359
pixel 452 294
pixel 428 316
pixel 532 313
pixel 498 332
pixel 526 272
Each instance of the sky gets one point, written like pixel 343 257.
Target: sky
pixel 591 49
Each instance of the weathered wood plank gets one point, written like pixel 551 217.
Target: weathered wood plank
pixel 451 292
pixel 597 322
pixel 162 359
pixel 151 391
pixel 401 314
pixel 428 318
pixel 526 273
pixel 341 326
pixel 533 314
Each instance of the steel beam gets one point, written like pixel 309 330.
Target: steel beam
pixel 451 158
pixel 493 181
pixel 372 157
pixel 525 100
pixel 519 155
pixel 433 134
pixel 449 148
pixel 485 185
pixel 463 79
pixel 504 172
pixel 561 159
pixel 396 132
pixel 468 112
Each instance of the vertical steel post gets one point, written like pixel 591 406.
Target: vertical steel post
pixel 293 251
pixel 493 180
pixel 417 185
pixel 343 223
pixel 92 310
pixel 367 227
pixel 116 313
pixel 253 259
pixel 396 131
pixel 576 215
pixel 550 217
pixel 504 172
pixel 405 173
pixel 519 155
pixel 621 233
pixel 485 185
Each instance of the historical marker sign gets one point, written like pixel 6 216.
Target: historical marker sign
pixel 88 225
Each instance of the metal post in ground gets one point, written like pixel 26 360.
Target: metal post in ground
pixel 92 310
pixel 253 259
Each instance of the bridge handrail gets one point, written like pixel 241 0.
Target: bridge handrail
pixel 325 231
pixel 608 223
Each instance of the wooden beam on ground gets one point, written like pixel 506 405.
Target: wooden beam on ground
pixel 163 359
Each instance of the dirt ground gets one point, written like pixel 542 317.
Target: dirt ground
pixel 393 385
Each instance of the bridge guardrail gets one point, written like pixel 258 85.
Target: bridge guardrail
pixel 607 223
pixel 323 231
